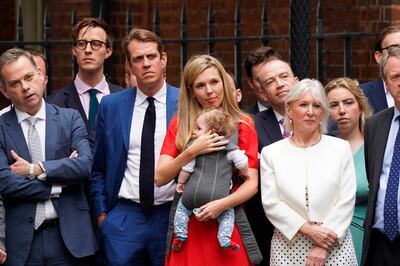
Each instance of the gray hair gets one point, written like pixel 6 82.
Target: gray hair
pixel 317 91
pixel 392 51
pixel 12 55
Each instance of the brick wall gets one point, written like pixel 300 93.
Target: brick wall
pixel 338 16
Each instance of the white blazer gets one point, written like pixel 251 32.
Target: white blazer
pixel 325 169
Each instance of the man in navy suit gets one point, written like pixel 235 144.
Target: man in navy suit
pixel 276 79
pixel 133 227
pixel 381 237
pixel 92 45
pixel 376 91
pixel 45 158
pixel 252 66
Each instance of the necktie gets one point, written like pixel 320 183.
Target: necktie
pixel 35 150
pixel 285 133
pixel 391 224
pixel 146 171
pixel 93 107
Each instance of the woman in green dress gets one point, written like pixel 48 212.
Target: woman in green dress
pixel 349 109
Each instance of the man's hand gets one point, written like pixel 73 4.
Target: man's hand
pixel 3 256
pixel 20 167
pixel 100 219
pixel 74 154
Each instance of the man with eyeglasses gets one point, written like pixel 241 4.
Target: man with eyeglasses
pixel 376 90
pixel 92 45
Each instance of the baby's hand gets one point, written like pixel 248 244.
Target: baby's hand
pixel 180 187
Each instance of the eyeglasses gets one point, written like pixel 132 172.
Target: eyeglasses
pixel 95 44
pixel 390 46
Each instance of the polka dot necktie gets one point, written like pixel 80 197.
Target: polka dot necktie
pixel 391 223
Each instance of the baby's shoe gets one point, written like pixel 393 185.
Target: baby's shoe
pixel 233 246
pixel 177 244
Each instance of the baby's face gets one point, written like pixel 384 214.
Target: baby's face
pixel 201 127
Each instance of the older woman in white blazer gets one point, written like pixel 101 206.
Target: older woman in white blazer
pixel 308 185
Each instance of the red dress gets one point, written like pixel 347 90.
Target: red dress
pixel 202 247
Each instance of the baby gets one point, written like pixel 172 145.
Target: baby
pixel 207 178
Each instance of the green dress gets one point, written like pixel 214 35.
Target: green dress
pixel 356 226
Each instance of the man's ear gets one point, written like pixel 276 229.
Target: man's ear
pixel 378 56
pixel 4 91
pixel 109 52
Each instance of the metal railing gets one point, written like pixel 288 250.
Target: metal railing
pixel 300 38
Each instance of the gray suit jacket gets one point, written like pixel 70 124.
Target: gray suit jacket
pixel 65 132
pixel 375 134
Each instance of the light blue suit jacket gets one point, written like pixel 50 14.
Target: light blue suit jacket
pixel 112 144
pixel 65 132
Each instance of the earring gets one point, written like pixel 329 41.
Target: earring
pixel 290 121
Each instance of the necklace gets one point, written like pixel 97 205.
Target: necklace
pixel 293 141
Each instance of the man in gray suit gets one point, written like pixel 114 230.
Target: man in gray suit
pixel 47 213
pixel 382 153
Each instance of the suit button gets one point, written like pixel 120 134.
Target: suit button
pixel 31 219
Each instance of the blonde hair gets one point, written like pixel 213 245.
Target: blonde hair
pixel 189 107
pixel 352 85
pixel 317 91
pixel 218 121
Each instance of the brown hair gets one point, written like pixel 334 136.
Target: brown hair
pixel 141 35
pixel 218 122
pixel 92 23
pixel 382 35
pixel 258 56
pixel 353 86
pixel 12 55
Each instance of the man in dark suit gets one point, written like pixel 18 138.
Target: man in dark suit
pixel 132 213
pixel 276 78
pixel 3 254
pixel 252 65
pixel 44 159
pixel 382 152
pixel 376 91
pixel 92 45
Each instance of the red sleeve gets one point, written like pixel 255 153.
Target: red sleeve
pixel 248 140
pixel 169 147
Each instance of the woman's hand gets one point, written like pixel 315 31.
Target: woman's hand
pixel 3 256
pixel 317 256
pixel 322 236
pixel 207 143
pixel 211 210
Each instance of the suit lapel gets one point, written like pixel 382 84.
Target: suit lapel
pixel 52 128
pixel 172 99
pixel 126 112
pixel 16 135
pixel 271 126
pixel 72 101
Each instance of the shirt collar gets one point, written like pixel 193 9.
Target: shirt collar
pixel 82 87
pixel 21 116
pixel 277 115
pixel 396 113
pixel 160 96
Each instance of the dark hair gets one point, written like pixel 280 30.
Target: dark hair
pixel 35 52
pixel 92 23
pixel 141 35
pixel 258 56
pixel 382 35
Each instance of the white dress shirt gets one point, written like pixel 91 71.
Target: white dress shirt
pixel 389 97
pixel 40 126
pixel 84 95
pixel 130 183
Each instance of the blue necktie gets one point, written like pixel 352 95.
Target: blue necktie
pixel 391 223
pixel 146 171
pixel 93 107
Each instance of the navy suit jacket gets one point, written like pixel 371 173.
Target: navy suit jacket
pixel 375 92
pixel 112 144
pixel 268 132
pixel 376 132
pixel 65 132
pixel 68 97
pixel 253 110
